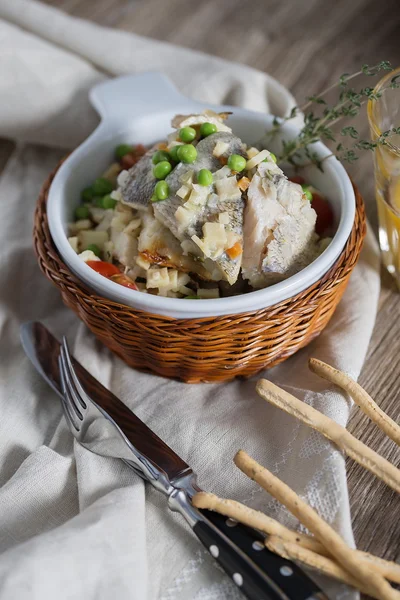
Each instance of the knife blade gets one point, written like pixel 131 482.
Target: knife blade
pixel 259 573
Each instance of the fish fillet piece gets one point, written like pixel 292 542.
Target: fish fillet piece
pixel 166 210
pixel 158 246
pixel 279 228
pixel 139 183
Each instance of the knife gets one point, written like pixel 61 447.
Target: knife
pixel 260 574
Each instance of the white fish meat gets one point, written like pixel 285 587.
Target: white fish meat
pixel 279 228
pixel 165 211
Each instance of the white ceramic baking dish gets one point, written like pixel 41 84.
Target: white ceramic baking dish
pixel 138 109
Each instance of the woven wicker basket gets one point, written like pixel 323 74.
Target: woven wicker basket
pixel 207 349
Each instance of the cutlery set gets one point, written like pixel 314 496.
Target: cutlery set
pixel 102 424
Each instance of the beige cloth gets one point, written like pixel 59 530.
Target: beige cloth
pixel 75 525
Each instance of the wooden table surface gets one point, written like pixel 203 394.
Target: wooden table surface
pixel 305 44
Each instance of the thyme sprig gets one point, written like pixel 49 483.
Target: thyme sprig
pixel 320 127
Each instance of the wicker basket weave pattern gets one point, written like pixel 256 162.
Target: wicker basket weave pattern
pixel 207 349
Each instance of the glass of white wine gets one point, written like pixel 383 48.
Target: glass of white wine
pixel 384 115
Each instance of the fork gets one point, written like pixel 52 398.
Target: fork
pixel 92 427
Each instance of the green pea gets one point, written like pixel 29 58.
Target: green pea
pixel 205 177
pixel 161 191
pixel 98 201
pixel 236 162
pixel 272 157
pixel 109 202
pixel 174 153
pixel 81 212
pixel 102 186
pixel 187 153
pixel 161 170
pixel 122 149
pixel 187 134
pixel 207 129
pixel 307 192
pixel 159 156
pixel 87 194
pixel 94 248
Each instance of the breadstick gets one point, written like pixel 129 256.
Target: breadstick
pixel 359 395
pixel 324 565
pixel 258 520
pixel 254 518
pixel 358 451
pixel 336 546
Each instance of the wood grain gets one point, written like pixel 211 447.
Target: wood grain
pixel 306 44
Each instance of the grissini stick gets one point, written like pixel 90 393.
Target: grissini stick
pixel 258 520
pixel 358 451
pixel 359 395
pixel 337 547
pixel 324 565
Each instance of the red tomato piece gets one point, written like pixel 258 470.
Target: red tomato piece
pixel 324 214
pixel 124 280
pixel 297 179
pixel 103 268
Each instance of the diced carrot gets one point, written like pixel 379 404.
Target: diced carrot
pixel 223 160
pixel 235 251
pixel 162 146
pixel 243 183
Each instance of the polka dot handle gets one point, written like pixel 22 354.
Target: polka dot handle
pixel 257 572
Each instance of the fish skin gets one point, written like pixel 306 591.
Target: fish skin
pixel 279 228
pixel 140 183
pixel 165 211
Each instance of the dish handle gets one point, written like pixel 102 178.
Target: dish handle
pixel 118 99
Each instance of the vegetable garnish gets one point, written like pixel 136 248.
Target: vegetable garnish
pixel 109 202
pixel 122 149
pixel 307 192
pixel 159 156
pixel 87 194
pixel 102 186
pixel 205 177
pixel 174 153
pixel 243 183
pixel 95 249
pixel 187 153
pixel 235 251
pixel 207 129
pixel 187 134
pixel 162 169
pixel 324 212
pixel 297 179
pixel 124 280
pixel 272 157
pixel 319 127
pixel 236 163
pixel 161 190
pixel 82 212
pixel 103 268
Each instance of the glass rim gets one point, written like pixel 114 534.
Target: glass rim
pixel 371 109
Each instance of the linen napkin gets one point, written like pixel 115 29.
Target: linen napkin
pixel 75 525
